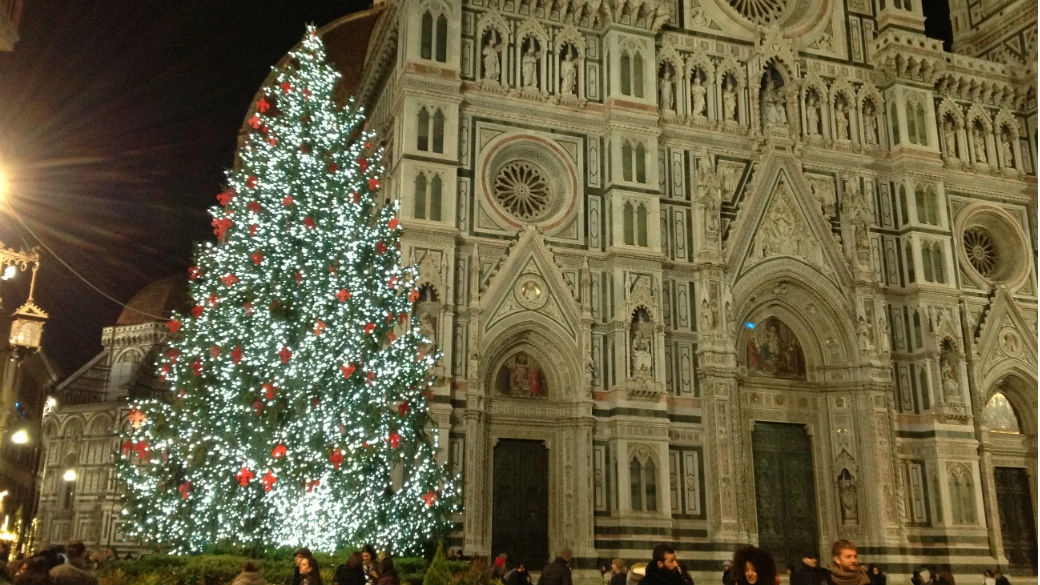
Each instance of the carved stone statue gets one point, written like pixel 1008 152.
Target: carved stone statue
pixel 812 115
pixel 568 74
pixel 1006 154
pixel 641 358
pixel 871 125
pixel 698 96
pixel 841 119
pixel 950 387
pixel 492 71
pixel 980 144
pixel 529 67
pixel 774 105
pixel 667 92
pixel 847 499
pixel 729 101
pixel 950 136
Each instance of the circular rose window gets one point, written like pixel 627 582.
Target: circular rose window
pixel 521 189
pixel 993 246
pixel 981 251
pixel 760 11
pixel 528 180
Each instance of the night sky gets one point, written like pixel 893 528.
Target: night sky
pixel 117 118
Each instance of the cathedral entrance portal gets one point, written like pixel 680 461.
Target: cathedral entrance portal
pixel 520 508
pixel 785 493
pixel 1016 517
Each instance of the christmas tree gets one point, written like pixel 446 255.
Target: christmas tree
pixel 298 412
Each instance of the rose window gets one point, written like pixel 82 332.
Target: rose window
pixel 522 190
pixel 981 250
pixel 760 11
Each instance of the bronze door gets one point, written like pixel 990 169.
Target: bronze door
pixel 520 508
pixel 1016 517
pixel 785 492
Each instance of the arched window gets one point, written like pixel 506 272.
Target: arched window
pixel 626 73
pixel 962 495
pixel 927 205
pixel 938 262
pixel 438 132
pixel 429 130
pixel 643 482
pixel 631 73
pixel 893 119
pixel 922 127
pixel 433 39
pixel 435 198
pixel 426 36
pixel 640 163
pixel 441 39
pixel 427 197
pixel 422 130
pixel 641 223
pixel 629 225
pixel 419 210
pixel 911 276
pixel 911 121
pixel 626 161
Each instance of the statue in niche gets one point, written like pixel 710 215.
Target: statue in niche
pixel 773 350
pixel 568 71
pixel 864 332
pixel 847 498
pixel 774 103
pixel 642 344
pixel 812 114
pixel 1006 155
pixel 871 123
pixel 883 331
pixel 950 136
pixel 521 375
pixel 698 95
pixel 841 119
pixel 667 90
pixel 492 69
pixel 529 66
pixel 729 100
pixel 948 373
pixel 980 144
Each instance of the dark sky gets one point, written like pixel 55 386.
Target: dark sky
pixel 117 118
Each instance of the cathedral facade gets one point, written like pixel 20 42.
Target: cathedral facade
pixel 707 272
pixel 716 272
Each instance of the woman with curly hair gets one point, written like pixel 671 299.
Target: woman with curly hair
pixel 753 566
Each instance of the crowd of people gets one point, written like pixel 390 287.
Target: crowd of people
pixel 70 565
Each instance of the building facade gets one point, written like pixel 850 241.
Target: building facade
pixel 716 272
pixel 702 271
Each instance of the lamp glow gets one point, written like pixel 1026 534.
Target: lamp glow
pixel 69 475
pixel 20 437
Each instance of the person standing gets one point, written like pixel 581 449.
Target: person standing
pixel 518 576
pixel 350 572
pixel 877 576
pixel 74 570
pixel 558 572
pixel 250 575
pixel 618 572
pixel 663 568
pixel 1000 579
pixel 753 566
pixel 310 572
pixel 368 563
pixel 297 557
pixel 807 572
pixel 845 569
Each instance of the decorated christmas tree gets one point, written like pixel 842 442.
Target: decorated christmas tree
pixel 298 412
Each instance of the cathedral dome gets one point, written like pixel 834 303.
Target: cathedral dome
pixel 155 301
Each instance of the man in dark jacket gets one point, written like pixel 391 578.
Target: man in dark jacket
pixel 558 572
pixel 808 571
pixel 845 569
pixel 663 568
